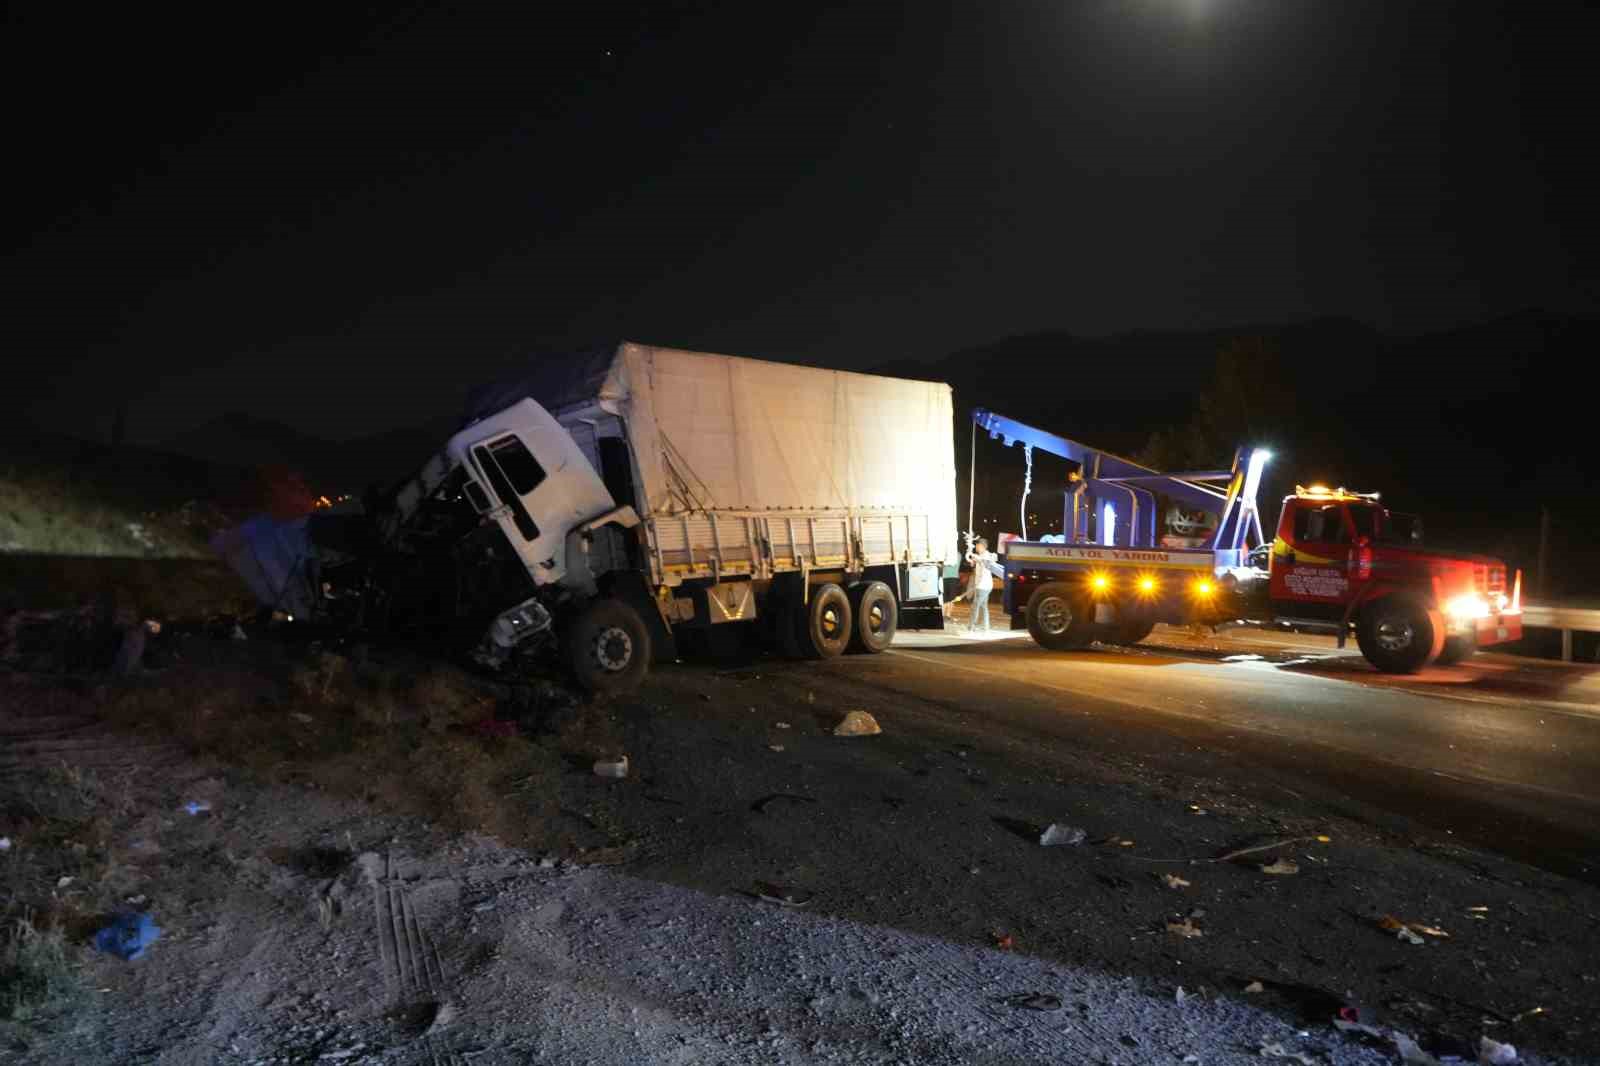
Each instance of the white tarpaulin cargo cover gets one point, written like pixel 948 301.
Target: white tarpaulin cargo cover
pixel 747 435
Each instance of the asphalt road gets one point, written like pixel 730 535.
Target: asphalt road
pixel 1500 753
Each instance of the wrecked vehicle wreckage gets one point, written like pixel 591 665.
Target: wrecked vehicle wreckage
pixel 601 503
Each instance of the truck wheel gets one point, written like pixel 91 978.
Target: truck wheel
pixel 876 616
pixel 1060 618
pixel 1400 636
pixel 824 627
pixel 1456 649
pixel 608 647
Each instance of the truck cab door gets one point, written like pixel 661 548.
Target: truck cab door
pixel 544 484
pixel 1311 556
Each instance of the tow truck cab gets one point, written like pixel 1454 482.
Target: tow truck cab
pixel 1342 557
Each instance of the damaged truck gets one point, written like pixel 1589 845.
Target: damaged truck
pixel 604 503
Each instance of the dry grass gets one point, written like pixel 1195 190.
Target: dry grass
pixel 38 981
pixel 400 737
pixel 44 516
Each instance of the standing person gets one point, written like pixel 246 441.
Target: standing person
pixel 985 565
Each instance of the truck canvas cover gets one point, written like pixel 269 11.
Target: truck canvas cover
pixel 737 435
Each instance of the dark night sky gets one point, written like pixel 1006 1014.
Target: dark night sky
pixel 342 219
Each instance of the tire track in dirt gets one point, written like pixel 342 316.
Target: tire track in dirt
pixel 33 737
pixel 410 960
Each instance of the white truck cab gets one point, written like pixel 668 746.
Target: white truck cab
pixel 529 475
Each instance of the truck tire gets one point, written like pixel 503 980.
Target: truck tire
pixel 1456 649
pixel 1399 635
pixel 1060 618
pixel 877 616
pixel 824 623
pixel 608 647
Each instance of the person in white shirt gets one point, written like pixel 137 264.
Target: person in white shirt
pixel 985 567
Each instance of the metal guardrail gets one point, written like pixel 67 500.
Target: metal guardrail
pixel 1566 619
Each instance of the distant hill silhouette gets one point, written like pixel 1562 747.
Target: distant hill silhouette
pixel 1114 391
pixel 240 439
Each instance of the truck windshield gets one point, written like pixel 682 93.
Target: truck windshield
pixel 1368 521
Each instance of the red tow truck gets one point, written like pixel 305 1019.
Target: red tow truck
pixel 1340 563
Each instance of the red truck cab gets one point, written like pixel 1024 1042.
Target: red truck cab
pixel 1342 557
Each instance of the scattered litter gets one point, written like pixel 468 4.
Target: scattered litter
pixel 1174 881
pixel 1226 856
pixel 615 768
pixel 127 936
pixel 1185 928
pixel 1056 833
pixel 1181 995
pixel 237 633
pixel 5 843
pixel 857 724
pixel 783 897
pixel 1040 1001
pixel 1253 988
pixel 1002 941
pixel 780 725
pixel 63 882
pixel 774 747
pixel 1278 1051
pixel 1532 1012
pixel 1410 932
pixel 304 719
pixel 1230 856
pixel 1407 935
pixel 1411 1052
pixel 1478 909
pixel 1494 1053
pixel 1281 866
pixel 196 807
pixel 1191 1058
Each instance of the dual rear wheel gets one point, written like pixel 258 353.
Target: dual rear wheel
pixel 832 621
pixel 1061 617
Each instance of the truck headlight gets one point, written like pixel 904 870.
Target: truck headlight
pixel 1467 607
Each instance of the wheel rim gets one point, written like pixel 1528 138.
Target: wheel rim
pixel 875 618
pixel 1395 634
pixel 613 649
pixel 1054 616
pixel 832 622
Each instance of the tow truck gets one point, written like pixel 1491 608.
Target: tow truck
pixel 1340 562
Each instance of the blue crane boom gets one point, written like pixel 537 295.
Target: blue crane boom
pixel 1119 495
